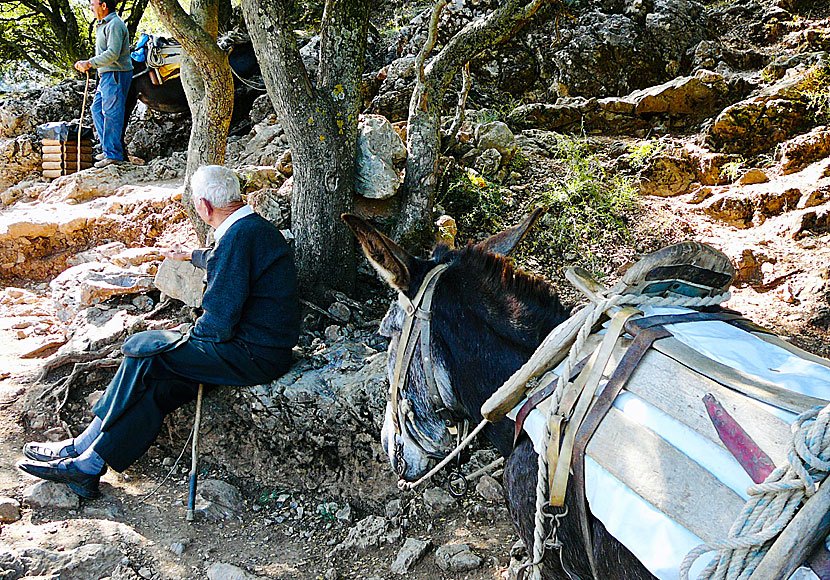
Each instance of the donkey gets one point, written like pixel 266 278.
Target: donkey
pixel 487 320
pixel 170 96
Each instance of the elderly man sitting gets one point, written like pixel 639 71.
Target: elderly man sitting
pixel 244 337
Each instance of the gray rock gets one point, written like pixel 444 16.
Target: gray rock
pixel 394 509
pixel 489 489
pixel 438 501
pixel 124 572
pixel 392 100
pixel 47 494
pixel 145 572
pixel 488 162
pixel 496 135
pixel 181 280
pixel 369 532
pixel 379 148
pixel 9 510
pixel 150 135
pixel 94 282
pixel 20 159
pixel 82 563
pixel 456 558
pixel 409 554
pixel 11 567
pixel 344 514
pixel 222 571
pixel 218 500
pixel 340 312
pixel 177 547
pixel 333 333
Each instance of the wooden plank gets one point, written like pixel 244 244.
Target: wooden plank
pixel 61 149
pixel 52 173
pixel 69 166
pixel 74 141
pixel 684 401
pixel 804 532
pixel 664 477
pixel 749 385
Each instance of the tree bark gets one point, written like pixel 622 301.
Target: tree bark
pixel 424 122
pixel 208 84
pixel 320 121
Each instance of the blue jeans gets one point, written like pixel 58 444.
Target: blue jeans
pixel 108 111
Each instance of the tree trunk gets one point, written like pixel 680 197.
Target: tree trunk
pixel 208 84
pixel 423 130
pixel 320 121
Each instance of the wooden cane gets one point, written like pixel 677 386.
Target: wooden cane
pixel 191 500
pixel 81 122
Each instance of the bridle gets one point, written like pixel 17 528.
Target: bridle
pixel 416 330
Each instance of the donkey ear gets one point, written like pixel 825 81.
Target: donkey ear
pixel 389 259
pixel 506 241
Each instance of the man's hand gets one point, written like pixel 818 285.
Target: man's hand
pixel 83 65
pixel 177 252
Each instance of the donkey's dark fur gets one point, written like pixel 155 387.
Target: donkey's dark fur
pixel 487 320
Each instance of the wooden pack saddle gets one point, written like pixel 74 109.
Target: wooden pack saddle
pixel 672 413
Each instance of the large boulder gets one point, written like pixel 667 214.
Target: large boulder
pixel 20 159
pixel 22 112
pixel 759 123
pixel 150 135
pixel 379 149
pixel 612 49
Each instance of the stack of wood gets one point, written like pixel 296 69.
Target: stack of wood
pixel 61 157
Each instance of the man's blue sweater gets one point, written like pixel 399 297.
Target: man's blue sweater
pixel 251 290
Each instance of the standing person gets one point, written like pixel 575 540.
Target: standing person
pixel 244 337
pixel 115 72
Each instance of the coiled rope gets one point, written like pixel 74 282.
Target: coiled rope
pixel 601 303
pixel 772 504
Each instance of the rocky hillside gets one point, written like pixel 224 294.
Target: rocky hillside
pixel 638 122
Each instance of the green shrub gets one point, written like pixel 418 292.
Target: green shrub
pixel 476 204
pixel 640 153
pixel 816 90
pixel 586 210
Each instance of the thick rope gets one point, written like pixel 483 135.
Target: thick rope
pixel 772 504
pixel 602 303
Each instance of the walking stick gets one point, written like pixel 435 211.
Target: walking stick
pixel 191 500
pixel 81 122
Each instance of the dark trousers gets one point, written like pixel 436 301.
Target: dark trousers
pixel 145 390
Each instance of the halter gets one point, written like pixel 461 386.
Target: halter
pixel 416 329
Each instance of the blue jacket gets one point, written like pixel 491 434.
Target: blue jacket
pixel 251 289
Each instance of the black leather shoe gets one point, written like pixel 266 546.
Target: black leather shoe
pixel 49 451
pixel 64 471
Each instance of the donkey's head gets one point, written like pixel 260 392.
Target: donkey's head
pixel 452 308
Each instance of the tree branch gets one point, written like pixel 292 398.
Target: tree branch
pixel 432 34
pixel 477 35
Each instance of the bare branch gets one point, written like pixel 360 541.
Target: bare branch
pixel 462 103
pixel 494 28
pixel 432 33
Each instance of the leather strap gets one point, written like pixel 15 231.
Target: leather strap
pixel 639 346
pixel 546 391
pixel 559 480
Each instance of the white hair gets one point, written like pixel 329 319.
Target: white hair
pixel 216 184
